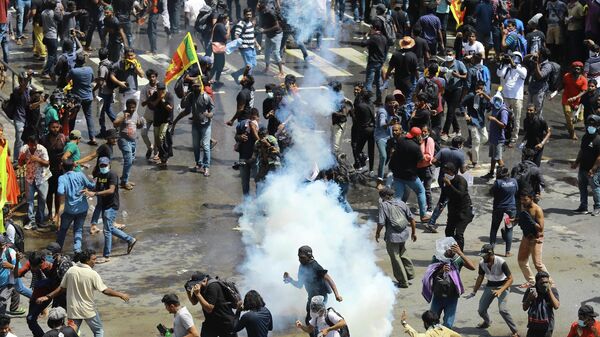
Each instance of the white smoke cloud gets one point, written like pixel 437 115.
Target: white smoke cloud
pixel 289 213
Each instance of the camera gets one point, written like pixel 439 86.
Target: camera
pixel 236 166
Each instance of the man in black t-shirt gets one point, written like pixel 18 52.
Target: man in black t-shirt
pixel 313 278
pixel 161 103
pixel 269 25
pixel 218 312
pixel 588 161
pixel 123 10
pixel 404 64
pixel 107 188
pixel 537 133
pixel 244 99
pixel 116 34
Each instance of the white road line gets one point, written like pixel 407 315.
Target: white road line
pixel 273 67
pixel 155 60
pixel 328 68
pixel 351 54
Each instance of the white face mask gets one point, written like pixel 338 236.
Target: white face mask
pixel 449 58
pixel 450 177
pixel 270 94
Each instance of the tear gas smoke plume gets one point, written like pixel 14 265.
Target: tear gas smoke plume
pixel 289 212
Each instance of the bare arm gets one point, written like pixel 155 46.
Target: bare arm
pixel 113 293
pixel 192 332
pixel 331 283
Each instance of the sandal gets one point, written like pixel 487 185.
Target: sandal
pixel 94 230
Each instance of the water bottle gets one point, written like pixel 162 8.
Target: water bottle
pixel 168 333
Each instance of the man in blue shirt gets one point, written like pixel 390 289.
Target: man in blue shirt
pixel 7 278
pixel 498 120
pixel 83 77
pixel 73 203
pixel 432 29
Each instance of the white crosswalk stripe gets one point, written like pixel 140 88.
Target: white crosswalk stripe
pixel 351 54
pixel 324 66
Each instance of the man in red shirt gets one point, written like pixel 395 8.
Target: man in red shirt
pixel 575 85
pixel 586 325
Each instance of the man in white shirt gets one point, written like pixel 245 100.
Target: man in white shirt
pixel 191 8
pixel 327 322
pixel 183 322
pixel 35 158
pixel 472 46
pixel 80 282
pixel 512 79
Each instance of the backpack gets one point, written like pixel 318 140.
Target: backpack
pixel 63 266
pixel 179 86
pixel 344 331
pixel 554 79
pixel 442 285
pixel 522 175
pixel 202 20
pixel 70 57
pixel 509 129
pixel 388 28
pixel 230 292
pixel 9 107
pixel 431 89
pixel 19 243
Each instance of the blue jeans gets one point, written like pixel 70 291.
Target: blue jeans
pixel 32 317
pixel 94 323
pixel 19 127
pixel 497 218
pixel 358 7
pixel 342 198
pixel 126 25
pixel 201 138
pixel 4 41
pixel 246 172
pixel 594 182
pixel 107 100
pixel 249 57
pixel 22 289
pixel 238 9
pixel 42 192
pixel 51 58
pixel 86 106
pixel 174 7
pixel 273 46
pixel 218 66
pixel 417 186
pixel 486 300
pixel 97 212
pixel 23 7
pixel 448 306
pixel 152 34
pixel 374 75
pixel 66 219
pixel 108 219
pixel 340 6
pixel 381 144
pixel 127 148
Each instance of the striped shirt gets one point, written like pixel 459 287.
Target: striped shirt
pixel 248 36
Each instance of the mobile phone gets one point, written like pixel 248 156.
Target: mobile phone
pixel 162 329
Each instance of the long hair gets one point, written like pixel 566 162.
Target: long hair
pixel 253 301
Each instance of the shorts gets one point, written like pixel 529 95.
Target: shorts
pixel 553 35
pixel 496 151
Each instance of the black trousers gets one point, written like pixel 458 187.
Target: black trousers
pixel 452 98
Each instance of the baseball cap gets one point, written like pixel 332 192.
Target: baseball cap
pixel 305 250
pixel 75 134
pixel 486 250
pixel 160 86
pixel 587 311
pixel 592 119
pixel 414 132
pixel 57 314
pixel 577 64
pixel 53 247
pixel 103 161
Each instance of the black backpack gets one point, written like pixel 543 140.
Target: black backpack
pixel 203 24
pixel 509 129
pixel 179 86
pixel 19 244
pixel 522 175
pixel 442 284
pixel 230 291
pixel 554 80
pixel 388 28
pixel 344 331
pixel 431 89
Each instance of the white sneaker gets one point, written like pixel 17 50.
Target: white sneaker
pixel 30 226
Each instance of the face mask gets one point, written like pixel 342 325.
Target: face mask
pixel 581 323
pixel 591 130
pixel 449 58
pixel 49 258
pixel 449 176
pixel 270 94
pixel 104 170
pixel 425 136
pixel 314 315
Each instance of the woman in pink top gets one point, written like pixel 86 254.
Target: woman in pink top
pixel 424 167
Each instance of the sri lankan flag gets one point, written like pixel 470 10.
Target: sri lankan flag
pixel 459 16
pixel 183 58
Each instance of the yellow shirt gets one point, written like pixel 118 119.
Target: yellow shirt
pixel 436 331
pixel 80 281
